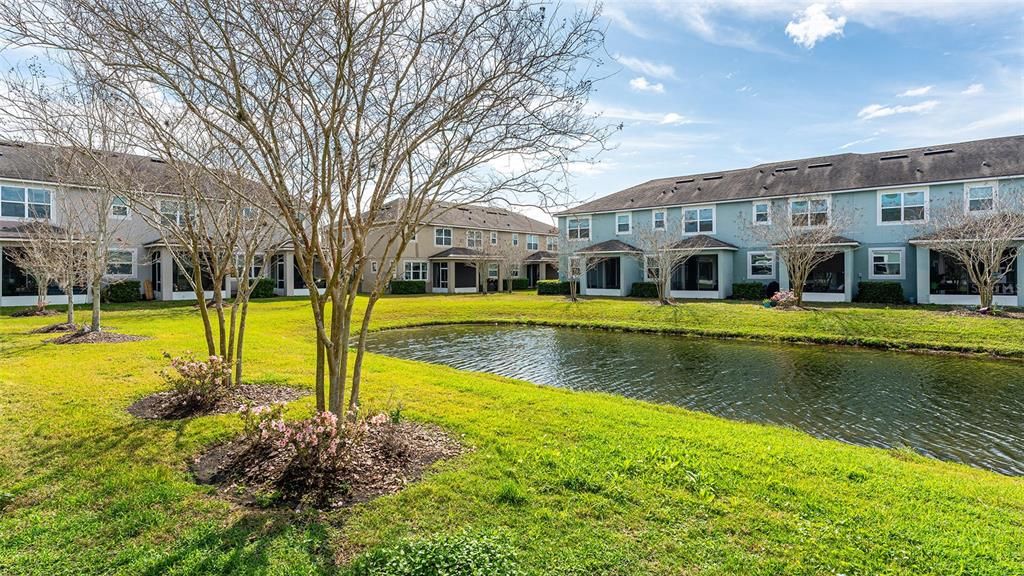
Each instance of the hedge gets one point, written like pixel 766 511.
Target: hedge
pixel 748 291
pixel 264 288
pixel 123 291
pixel 880 293
pixel 408 287
pixel 517 284
pixel 644 290
pixel 552 287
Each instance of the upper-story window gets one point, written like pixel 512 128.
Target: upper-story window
pixel 18 202
pixel 119 207
pixel 552 244
pixel 532 242
pixel 494 238
pixel 658 220
pixel 813 212
pixel 172 212
pixel 579 228
pixel 762 213
pixel 623 223
pixel 698 220
pixel 515 239
pixel 899 206
pixel 474 239
pixel 442 236
pixel 980 196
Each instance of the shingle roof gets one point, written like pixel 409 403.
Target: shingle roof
pixel 541 255
pixel 19 230
pixel 457 253
pixel 609 246
pixel 479 217
pixel 833 241
pixel 702 241
pixel 990 158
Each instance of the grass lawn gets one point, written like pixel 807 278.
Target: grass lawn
pixel 578 483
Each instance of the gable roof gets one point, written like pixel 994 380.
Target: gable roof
pixel 702 241
pixel 608 246
pixel 474 216
pixel 990 158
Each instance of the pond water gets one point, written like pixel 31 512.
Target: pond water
pixel 949 407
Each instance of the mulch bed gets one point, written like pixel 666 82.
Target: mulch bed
pixel 54 328
pixel 29 312
pixel 90 337
pixel 383 460
pixel 968 313
pixel 167 406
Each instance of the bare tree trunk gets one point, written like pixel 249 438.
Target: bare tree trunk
pixel 97 286
pixel 357 372
pixel 71 305
pixel 241 340
pixel 320 406
pixel 41 294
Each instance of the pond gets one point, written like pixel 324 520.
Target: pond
pixel 949 407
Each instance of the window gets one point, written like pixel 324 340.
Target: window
pixel 515 239
pixel 119 207
pixel 172 212
pixel 605 275
pixel 18 202
pixel 761 265
pixel 652 269
pixel 474 239
pixel 442 236
pixel 532 242
pixel 254 271
pixel 440 275
pixel 762 213
pixel 492 270
pixel 121 263
pixel 812 212
pixel 623 223
pixel 552 244
pixel 902 206
pixel 981 196
pixel 579 228
pixel 658 220
pixel 514 272
pixel 415 270
pixel 373 266
pixel 886 263
pixel 494 238
pixel 698 220
pixel 697 273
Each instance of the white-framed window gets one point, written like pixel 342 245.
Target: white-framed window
pixel 254 271
pixel 515 239
pixel 761 265
pixel 980 196
pixel 579 228
pixel 373 266
pixel 699 220
pixel 532 242
pixel 762 213
pixel 413 237
pixel 623 223
pixel 442 236
pixel 119 207
pixel 652 268
pixel 20 202
pixel 121 263
pixel 887 263
pixel 658 220
pixel 514 272
pixel 492 270
pixel 474 239
pixel 494 238
pixel 552 244
pixel 902 206
pixel 415 270
pixel 809 211
pixel 172 212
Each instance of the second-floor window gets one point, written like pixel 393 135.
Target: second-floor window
pixel 532 242
pixel 623 223
pixel 119 207
pixel 981 196
pixel 172 212
pixel 579 228
pixel 902 206
pixel 552 244
pixel 474 239
pixel 762 213
pixel 442 236
pixel 515 239
pixel 494 238
pixel 698 220
pixel 658 220
pixel 809 212
pixel 18 202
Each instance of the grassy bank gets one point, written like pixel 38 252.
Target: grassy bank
pixel 579 483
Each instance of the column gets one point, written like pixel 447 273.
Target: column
pixel 289 273
pixel 725 275
pixel 451 276
pixel 166 274
pixel 1020 279
pixel 923 272
pixel 783 274
pixel 848 275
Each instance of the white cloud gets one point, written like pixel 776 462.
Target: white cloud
pixel 974 89
pixel 880 111
pixel 640 84
pixel 673 119
pixel 744 89
pixel 653 69
pixel 916 91
pixel 618 16
pixel 813 25
pixel 856 142
pixel 638 116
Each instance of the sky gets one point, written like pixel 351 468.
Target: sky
pixel 707 86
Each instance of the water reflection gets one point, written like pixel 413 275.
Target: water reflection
pixel 948 407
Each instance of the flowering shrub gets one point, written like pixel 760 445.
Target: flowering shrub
pixel 785 299
pixel 315 448
pixel 197 383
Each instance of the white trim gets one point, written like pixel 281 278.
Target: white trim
pixel 903 263
pixel 714 220
pixel 466 290
pixel 629 222
pixel 26 218
pixel 969 300
pixel 451 236
pixel 434 290
pixel 664 220
pixel 648 278
pixel 603 292
pixel 825 296
pixel 191 295
pixel 127 206
pixel 474 233
pixel 901 191
pixel 424 268
pixel 590 228
pixel 57 299
pixel 536 241
pixel 135 263
pixel 981 184
pixel 515 239
pixel 753 212
pixel 809 199
pixel 750 265
pixel 696 294
pixel 494 238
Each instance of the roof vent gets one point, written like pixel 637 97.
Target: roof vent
pixel 822 165
pixel 786 169
pixel 894 157
pixel 157 160
pixel 715 177
pixel 937 152
pixel 686 181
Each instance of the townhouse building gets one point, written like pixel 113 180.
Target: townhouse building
pixel 887 197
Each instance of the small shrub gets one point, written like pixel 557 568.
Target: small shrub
pixel 784 299
pixel 264 288
pixel 880 292
pixel 123 291
pixel 317 449
pixel 198 384
pixel 748 291
pixel 408 287
pixel 553 287
pixel 461 553
pixel 517 284
pixel 644 290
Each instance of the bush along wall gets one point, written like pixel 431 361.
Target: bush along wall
pixel 408 287
pixel 880 293
pixel 644 290
pixel 517 284
pixel 748 291
pixel 264 288
pixel 124 291
pixel 552 287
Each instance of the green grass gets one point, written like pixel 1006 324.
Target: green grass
pixel 582 483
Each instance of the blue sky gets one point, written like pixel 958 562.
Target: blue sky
pixel 703 86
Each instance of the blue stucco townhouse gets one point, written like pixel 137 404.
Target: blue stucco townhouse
pixel 888 195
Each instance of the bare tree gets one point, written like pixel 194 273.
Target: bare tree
pixel 573 255
pixel 986 243
pixel 35 257
pixel 340 107
pixel 661 251
pixel 511 258
pixel 804 234
pixel 52 252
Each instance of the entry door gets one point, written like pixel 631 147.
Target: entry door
pixel 531 274
pixel 440 274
